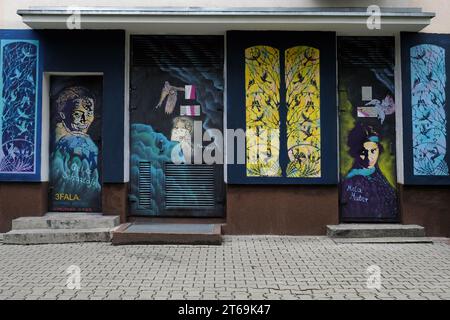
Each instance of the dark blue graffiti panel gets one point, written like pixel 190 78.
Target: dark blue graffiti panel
pixel 425 72
pixel 428 81
pixel 18 106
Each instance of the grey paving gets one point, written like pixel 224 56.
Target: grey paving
pixel 254 267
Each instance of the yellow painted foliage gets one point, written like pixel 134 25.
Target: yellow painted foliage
pixel 262 101
pixel 303 111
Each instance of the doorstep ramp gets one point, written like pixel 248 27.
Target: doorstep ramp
pixel 168 233
pixel 377 233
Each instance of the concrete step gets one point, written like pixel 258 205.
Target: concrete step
pixel 350 230
pixel 64 220
pixel 383 240
pixel 167 233
pixel 41 236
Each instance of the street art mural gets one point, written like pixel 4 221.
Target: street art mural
pixel 19 85
pixel 302 81
pixel 425 110
pixel 303 115
pixel 367 130
pixel 169 93
pixel 428 100
pixel 365 190
pixel 75 144
pixel 262 78
pixel 282 91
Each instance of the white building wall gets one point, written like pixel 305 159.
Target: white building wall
pixel 440 24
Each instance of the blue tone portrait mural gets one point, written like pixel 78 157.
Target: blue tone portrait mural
pixel 75 144
pixel 428 82
pixel 425 73
pixel 19 85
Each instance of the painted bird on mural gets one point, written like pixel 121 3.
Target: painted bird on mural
pixel 384 107
pixel 170 92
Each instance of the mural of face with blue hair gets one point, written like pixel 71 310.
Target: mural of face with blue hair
pixel 365 147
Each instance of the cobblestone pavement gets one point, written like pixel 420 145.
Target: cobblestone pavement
pixel 253 267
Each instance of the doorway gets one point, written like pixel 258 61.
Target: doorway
pixel 367 157
pixel 176 94
pixel 75 171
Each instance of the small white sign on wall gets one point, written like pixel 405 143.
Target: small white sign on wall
pixel 366 93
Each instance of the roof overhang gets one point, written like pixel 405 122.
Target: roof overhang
pixel 351 21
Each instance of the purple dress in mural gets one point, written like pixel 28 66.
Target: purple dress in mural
pixel 367 193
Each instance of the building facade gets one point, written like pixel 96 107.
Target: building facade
pixel 268 120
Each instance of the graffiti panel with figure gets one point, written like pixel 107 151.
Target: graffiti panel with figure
pixel 303 114
pixel 367 129
pixel 19 60
pixel 173 97
pixel 262 103
pixel 429 122
pixel 365 191
pixel 75 143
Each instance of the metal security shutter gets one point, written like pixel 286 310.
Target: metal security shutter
pixel 190 186
pixel 145 185
pixel 375 52
pixel 173 51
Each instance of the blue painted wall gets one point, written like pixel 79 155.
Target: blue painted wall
pixel 95 51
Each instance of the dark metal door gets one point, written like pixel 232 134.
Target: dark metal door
pixel 367 129
pixel 176 93
pixel 75 143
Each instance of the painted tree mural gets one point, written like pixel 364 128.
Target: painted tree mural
pixel 303 111
pixel 262 103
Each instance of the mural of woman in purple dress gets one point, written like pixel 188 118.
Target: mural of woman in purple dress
pixel 366 191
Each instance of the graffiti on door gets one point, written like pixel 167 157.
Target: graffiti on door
pixel 367 131
pixel 75 182
pixel 170 93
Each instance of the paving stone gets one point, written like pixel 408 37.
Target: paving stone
pixel 244 267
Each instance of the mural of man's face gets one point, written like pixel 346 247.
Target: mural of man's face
pixel 370 153
pixel 81 116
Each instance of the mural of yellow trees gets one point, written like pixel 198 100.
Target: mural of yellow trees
pixel 262 80
pixel 302 65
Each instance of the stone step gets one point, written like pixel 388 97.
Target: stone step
pixel 350 230
pixel 41 236
pixel 383 240
pixel 167 233
pixel 71 220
